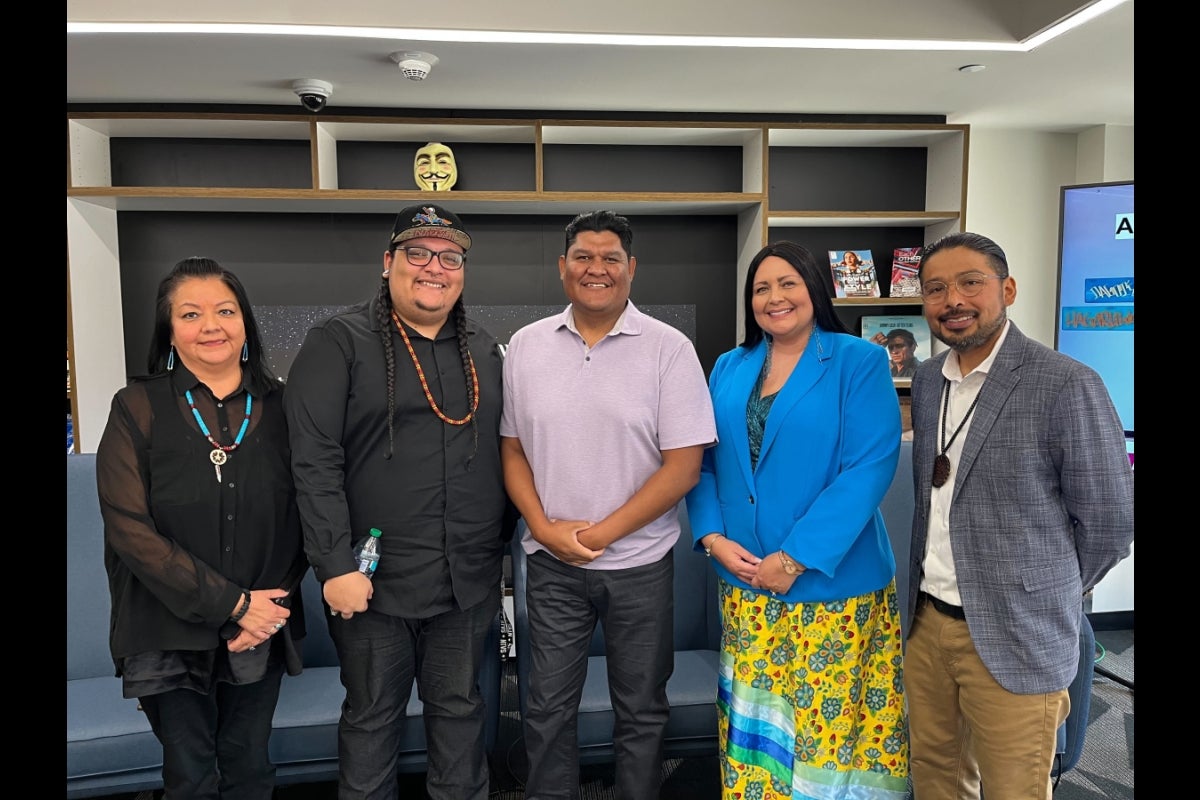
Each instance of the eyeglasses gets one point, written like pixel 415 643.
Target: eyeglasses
pixel 420 256
pixel 968 285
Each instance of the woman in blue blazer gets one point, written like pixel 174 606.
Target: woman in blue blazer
pixel 811 693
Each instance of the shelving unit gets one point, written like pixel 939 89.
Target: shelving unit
pixel 768 180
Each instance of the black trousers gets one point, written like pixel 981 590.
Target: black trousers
pixel 380 657
pixel 215 744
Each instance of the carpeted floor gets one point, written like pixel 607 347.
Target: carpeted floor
pixel 1104 771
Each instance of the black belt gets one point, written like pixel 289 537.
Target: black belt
pixel 942 606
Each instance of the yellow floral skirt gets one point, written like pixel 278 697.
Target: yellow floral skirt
pixel 811 699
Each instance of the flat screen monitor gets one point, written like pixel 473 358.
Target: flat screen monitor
pixel 1095 286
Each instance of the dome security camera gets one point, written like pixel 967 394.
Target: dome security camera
pixel 313 93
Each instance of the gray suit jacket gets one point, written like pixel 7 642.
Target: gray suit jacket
pixel 1042 507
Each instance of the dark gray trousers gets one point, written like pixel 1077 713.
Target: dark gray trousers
pixel 636 608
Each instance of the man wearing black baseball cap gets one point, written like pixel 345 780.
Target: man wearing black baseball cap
pixel 394 413
pixel 902 352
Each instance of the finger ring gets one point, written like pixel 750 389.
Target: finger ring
pixel 278 625
pixel 251 647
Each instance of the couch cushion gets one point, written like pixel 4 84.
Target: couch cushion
pixel 691 691
pixel 87 582
pixel 106 733
pixel 897 509
pixel 306 719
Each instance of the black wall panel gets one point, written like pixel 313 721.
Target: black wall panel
pixel 299 267
pixel 237 163
pixel 481 167
pixel 847 178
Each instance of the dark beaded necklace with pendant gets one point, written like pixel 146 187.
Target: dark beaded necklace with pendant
pixel 941 464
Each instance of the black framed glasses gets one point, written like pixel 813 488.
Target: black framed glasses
pixel 968 285
pixel 420 256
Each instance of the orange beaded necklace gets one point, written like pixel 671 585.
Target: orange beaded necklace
pixel 425 385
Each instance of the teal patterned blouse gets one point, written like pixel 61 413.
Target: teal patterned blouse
pixel 757 409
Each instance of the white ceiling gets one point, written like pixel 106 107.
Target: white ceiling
pixel 1081 79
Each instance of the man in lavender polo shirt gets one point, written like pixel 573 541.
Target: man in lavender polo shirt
pixel 606 415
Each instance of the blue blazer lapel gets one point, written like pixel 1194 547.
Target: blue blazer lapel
pixel 811 367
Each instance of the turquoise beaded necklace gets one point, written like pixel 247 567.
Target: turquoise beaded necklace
pixel 220 452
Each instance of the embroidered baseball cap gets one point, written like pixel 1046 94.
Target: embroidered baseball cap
pixel 415 222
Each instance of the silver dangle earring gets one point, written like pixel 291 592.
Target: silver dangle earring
pixel 245 352
pixel 171 359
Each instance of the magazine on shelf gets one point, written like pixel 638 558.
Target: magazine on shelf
pixel 906 337
pixel 853 273
pixel 904 272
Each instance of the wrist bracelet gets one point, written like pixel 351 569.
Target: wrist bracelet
pixel 241 612
pixel 708 550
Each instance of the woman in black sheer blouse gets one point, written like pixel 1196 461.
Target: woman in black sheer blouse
pixel 202 538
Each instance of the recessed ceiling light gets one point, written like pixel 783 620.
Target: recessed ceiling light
pixel 1090 11
pixel 972 68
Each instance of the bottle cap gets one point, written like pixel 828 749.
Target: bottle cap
pixel 376 532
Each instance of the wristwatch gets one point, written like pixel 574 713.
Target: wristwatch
pixel 789 566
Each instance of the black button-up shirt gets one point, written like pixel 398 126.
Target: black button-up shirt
pixel 180 546
pixel 439 499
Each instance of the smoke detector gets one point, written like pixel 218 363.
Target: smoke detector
pixel 414 64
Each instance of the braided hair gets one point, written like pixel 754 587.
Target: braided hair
pixel 459 315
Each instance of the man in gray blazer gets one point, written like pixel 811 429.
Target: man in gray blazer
pixel 1024 501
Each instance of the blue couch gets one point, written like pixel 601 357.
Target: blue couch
pixel 110 747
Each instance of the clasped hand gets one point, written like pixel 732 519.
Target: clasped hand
pixel 563 538
pixel 348 594
pixel 761 573
pixel 262 620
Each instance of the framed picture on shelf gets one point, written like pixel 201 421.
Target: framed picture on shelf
pixel 907 339
pixel 853 273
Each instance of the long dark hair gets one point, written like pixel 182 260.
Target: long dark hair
pixel 259 374
pixel 815 276
pixel 384 313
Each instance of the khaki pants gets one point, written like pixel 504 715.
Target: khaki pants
pixel 964 728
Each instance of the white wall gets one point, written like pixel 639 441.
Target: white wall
pixel 1014 180
pixel 1105 154
pixel 1013 183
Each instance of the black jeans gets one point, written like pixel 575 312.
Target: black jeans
pixel 636 608
pixel 215 744
pixel 380 657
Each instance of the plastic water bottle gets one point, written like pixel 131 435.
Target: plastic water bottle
pixel 367 553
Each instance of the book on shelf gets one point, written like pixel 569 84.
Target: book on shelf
pixel 904 272
pixel 853 273
pixel 906 337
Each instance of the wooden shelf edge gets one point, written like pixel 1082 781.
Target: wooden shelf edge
pixel 824 219
pixel 160 198
pixel 878 301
